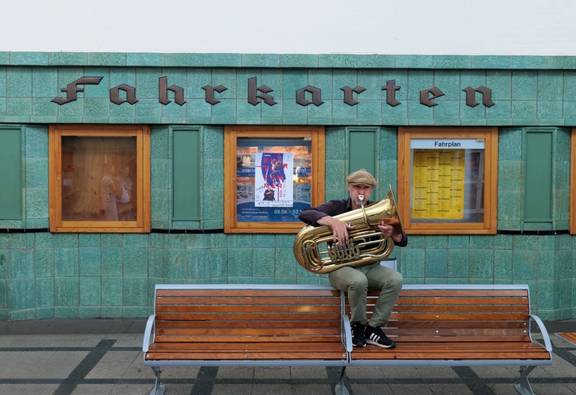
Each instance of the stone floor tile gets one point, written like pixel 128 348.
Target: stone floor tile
pixel 373 389
pixel 228 389
pixel 450 389
pixel 39 364
pixel 27 389
pixel 113 364
pixel 236 372
pixel 271 372
pixel 368 372
pixel 410 389
pixel 308 372
pixel 444 372
pixel 273 389
pixel 497 371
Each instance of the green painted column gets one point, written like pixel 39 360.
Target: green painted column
pixel 186 194
pixel 11 165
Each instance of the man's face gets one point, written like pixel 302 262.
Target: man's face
pixel 356 190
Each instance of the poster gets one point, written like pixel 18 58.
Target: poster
pixel 439 177
pixel 273 181
pixel 438 184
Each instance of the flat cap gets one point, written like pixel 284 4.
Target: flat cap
pixel 361 177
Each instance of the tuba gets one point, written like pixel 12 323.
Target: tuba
pixel 316 251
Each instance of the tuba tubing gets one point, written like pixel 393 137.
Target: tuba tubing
pixel 316 251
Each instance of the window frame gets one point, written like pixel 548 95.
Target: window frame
pixel 142 222
pixel 231 135
pixel 489 224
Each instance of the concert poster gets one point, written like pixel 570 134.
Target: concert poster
pixel 273 181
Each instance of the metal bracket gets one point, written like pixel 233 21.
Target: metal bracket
pixel 524 387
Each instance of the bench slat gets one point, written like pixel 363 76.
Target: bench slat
pixel 455 331
pixel 248 316
pixel 252 339
pixel 470 355
pixel 445 300
pixel 241 300
pixel 261 293
pixel 287 346
pixel 441 316
pixel 461 346
pixel 394 323
pixel 251 331
pixel 463 308
pixel 460 292
pixel 251 308
pixel 234 324
pixel 448 339
pixel 247 356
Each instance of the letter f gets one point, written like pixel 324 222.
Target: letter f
pixel 73 88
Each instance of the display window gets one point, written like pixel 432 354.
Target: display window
pixel 271 175
pixel 448 180
pixel 99 178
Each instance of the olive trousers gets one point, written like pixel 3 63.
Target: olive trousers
pixel 356 281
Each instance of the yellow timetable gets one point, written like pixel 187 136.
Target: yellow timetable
pixel 438 184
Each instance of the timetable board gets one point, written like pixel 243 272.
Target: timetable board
pixel 439 172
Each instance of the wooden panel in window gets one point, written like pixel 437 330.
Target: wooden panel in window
pixel 99 178
pixel 448 179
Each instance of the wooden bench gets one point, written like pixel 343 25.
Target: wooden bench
pixel 461 325
pixel 299 325
pixel 246 325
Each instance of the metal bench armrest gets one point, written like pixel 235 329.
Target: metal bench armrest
pixel 543 331
pixel 346 333
pixel 148 333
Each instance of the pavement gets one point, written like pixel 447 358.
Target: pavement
pixel 104 357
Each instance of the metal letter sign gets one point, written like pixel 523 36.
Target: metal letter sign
pixel 258 94
pixel 74 87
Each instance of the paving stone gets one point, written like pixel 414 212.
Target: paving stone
pixel 114 364
pixel 450 389
pixel 373 389
pixel 236 372
pixel 39 364
pixel 27 389
pixel 228 389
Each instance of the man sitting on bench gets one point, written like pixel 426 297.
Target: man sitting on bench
pixel 356 281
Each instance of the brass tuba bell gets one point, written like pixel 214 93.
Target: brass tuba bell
pixel 316 251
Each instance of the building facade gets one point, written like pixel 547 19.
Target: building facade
pixel 478 149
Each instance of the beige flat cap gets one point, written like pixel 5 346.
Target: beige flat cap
pixel 361 177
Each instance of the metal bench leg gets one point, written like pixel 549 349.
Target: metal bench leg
pixel 158 389
pixel 340 387
pixel 524 387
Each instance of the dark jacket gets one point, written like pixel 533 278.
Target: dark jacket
pixel 332 208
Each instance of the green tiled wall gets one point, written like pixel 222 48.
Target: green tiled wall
pixel 45 275
pixel 521 97
pixel 512 180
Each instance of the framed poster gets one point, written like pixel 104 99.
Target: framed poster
pixel 271 175
pixel 99 178
pixel 449 180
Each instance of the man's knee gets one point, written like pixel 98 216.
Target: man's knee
pixel 358 282
pixel 395 281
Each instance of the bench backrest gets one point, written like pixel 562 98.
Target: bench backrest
pixel 247 315
pixel 424 313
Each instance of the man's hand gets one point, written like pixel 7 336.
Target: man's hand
pixel 339 228
pixel 390 231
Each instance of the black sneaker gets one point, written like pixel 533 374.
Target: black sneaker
pixel 377 337
pixel 358 334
